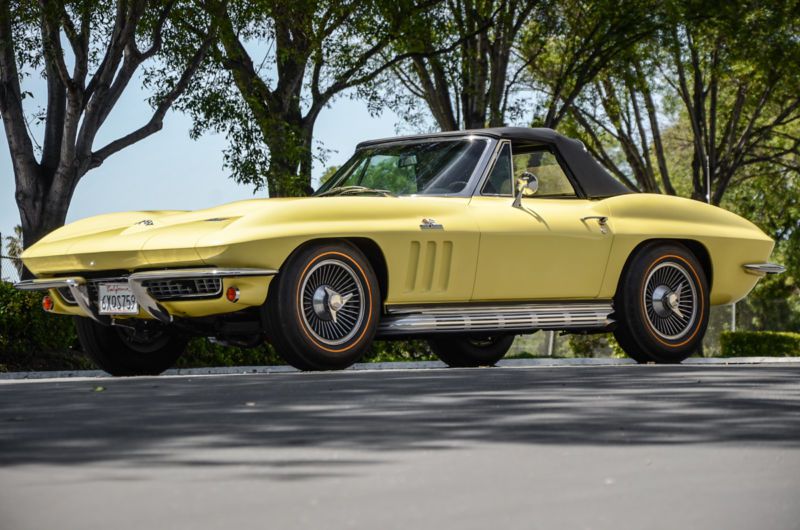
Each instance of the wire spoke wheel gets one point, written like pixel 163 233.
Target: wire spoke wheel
pixel 670 300
pixel 333 304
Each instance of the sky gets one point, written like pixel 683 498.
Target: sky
pixel 169 170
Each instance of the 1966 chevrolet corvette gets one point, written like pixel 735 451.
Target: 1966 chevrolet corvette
pixel 465 239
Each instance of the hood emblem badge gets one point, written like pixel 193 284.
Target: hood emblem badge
pixel 430 224
pixel 145 222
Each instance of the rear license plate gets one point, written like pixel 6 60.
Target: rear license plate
pixel 116 299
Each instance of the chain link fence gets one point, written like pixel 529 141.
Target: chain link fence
pixel 10 269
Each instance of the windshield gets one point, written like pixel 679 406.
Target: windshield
pixel 426 168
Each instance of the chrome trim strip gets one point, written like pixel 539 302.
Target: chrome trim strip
pixel 156 310
pixel 487 171
pixel 147 302
pixel 77 288
pixel 45 284
pixel 80 294
pixel 172 274
pixel 523 316
pixel 761 269
pixel 478 171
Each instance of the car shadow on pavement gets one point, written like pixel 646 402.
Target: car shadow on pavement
pixel 151 420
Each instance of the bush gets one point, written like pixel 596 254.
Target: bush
pixel 31 339
pixel 760 344
pixel 595 345
pixel 401 350
pixel 201 352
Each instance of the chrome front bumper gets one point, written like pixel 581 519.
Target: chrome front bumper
pixel 80 293
pixel 760 269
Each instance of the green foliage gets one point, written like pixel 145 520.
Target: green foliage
pixel 13 243
pixel 201 352
pixel 760 344
pixel 31 338
pixel 327 174
pixel 396 351
pixel 275 66
pixel 595 345
pixel 587 345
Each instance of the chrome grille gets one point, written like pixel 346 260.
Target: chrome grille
pixel 184 288
pixel 177 289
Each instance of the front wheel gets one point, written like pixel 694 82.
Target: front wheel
pixel 464 352
pixel 323 307
pixel 148 349
pixel 662 304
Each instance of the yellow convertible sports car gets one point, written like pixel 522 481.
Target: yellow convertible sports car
pixel 465 239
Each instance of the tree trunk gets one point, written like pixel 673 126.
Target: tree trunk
pixel 289 140
pixel 41 209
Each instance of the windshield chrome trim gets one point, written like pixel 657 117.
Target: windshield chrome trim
pixel 425 140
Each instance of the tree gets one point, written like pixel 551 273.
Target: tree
pixel 312 52
pixel 581 40
pixel 737 77
pixel 14 249
pixel 473 85
pixel 108 43
pixel 620 121
pixel 730 79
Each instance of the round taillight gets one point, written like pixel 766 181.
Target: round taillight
pixel 47 303
pixel 232 294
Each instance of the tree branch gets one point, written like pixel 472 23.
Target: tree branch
pixel 156 121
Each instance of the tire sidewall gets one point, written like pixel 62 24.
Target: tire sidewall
pixel 112 354
pixel 459 351
pixel 637 335
pixel 289 330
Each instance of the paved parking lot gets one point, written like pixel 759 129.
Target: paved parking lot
pixel 515 447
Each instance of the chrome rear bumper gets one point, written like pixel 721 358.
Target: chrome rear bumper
pixel 761 269
pixel 78 289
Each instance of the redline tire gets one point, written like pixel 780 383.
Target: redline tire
pixel 662 304
pixel 323 307
pixel 458 351
pixel 115 350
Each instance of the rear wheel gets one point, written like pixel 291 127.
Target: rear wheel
pixel 460 351
pixel 662 304
pixel 323 308
pixel 149 349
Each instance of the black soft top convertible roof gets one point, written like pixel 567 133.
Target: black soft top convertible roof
pixel 593 179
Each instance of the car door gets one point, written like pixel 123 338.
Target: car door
pixel 554 246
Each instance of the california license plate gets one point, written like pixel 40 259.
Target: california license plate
pixel 116 299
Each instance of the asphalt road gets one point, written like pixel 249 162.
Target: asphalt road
pixel 580 447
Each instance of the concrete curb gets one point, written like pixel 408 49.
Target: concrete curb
pixel 425 365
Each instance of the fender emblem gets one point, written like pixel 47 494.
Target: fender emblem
pixel 430 224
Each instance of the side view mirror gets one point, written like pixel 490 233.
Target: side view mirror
pixel 527 186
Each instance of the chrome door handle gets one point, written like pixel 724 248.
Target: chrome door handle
pixel 602 219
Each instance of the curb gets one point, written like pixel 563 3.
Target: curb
pixel 421 365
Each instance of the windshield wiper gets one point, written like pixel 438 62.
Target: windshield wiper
pixel 355 190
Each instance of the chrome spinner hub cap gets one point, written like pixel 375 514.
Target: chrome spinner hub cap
pixel 333 302
pixel 327 302
pixel 670 300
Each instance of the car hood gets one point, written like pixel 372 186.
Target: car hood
pixel 153 239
